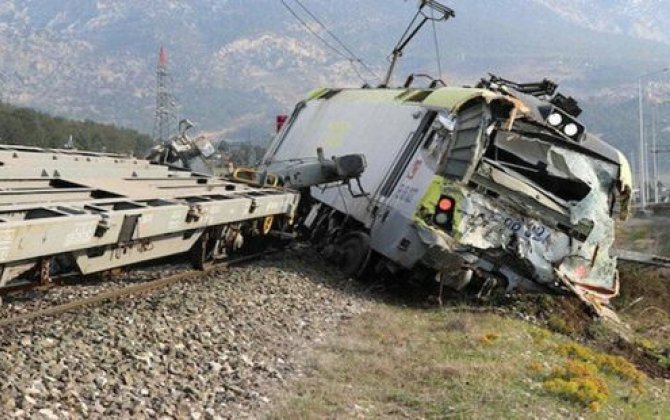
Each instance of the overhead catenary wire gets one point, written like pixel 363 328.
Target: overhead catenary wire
pixel 312 31
pixel 438 56
pixel 352 55
pixel 352 59
pixel 409 28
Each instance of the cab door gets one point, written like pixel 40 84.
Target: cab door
pixel 468 142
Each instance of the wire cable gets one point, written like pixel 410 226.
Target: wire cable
pixel 409 27
pixel 337 39
pixel 312 31
pixel 323 40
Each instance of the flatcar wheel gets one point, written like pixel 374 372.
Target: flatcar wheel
pixel 202 256
pixel 353 253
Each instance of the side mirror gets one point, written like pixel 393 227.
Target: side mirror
pixel 350 166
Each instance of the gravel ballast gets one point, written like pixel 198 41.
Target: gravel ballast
pixel 213 348
pixel 20 303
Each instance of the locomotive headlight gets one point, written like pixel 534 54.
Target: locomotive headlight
pixel 555 119
pixel 571 130
pixel 564 124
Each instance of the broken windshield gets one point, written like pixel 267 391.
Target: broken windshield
pixel 438 139
pixel 567 175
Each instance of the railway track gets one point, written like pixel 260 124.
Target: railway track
pixel 135 289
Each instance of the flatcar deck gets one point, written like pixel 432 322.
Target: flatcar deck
pixel 63 211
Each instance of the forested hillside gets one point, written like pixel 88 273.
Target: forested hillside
pixel 29 127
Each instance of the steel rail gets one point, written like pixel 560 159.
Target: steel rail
pixel 135 289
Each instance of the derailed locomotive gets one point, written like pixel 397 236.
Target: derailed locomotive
pixel 499 180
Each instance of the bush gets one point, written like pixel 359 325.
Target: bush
pixel 607 363
pixel 578 381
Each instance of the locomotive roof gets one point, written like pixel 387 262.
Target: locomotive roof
pixel 446 97
pixel 452 98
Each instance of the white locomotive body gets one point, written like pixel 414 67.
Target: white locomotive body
pixel 498 180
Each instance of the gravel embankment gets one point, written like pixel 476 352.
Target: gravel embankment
pixel 206 349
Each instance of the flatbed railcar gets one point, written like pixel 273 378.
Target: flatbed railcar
pixel 65 212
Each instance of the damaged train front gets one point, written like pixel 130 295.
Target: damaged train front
pixel 524 193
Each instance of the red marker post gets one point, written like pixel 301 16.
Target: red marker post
pixel 281 120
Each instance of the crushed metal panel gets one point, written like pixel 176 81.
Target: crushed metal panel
pixel 625 187
pixel 500 224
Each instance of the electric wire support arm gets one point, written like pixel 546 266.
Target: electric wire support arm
pixel 320 171
pixel 444 13
pixel 304 173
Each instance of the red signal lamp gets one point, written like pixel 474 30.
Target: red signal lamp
pixel 445 204
pixel 444 212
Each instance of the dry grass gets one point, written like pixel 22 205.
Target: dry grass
pixel 644 303
pixel 579 382
pixel 400 362
pixel 406 363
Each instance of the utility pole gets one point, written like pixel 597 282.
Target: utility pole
pixel 640 117
pixel 165 120
pixel 634 168
pixel 654 142
pixel 642 146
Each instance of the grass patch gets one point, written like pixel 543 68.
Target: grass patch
pixel 488 338
pixel 582 377
pixel 403 362
pixel 560 325
pixel 644 302
pixel 578 382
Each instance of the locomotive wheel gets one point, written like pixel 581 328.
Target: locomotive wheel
pixel 267 224
pixel 353 253
pixel 319 235
pixel 202 255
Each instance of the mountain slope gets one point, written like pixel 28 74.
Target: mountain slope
pixel 644 19
pixel 236 63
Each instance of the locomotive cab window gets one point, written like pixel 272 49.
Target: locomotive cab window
pixel 438 140
pixel 414 142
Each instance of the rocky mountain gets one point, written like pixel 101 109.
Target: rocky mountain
pixel 235 63
pixel 645 19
